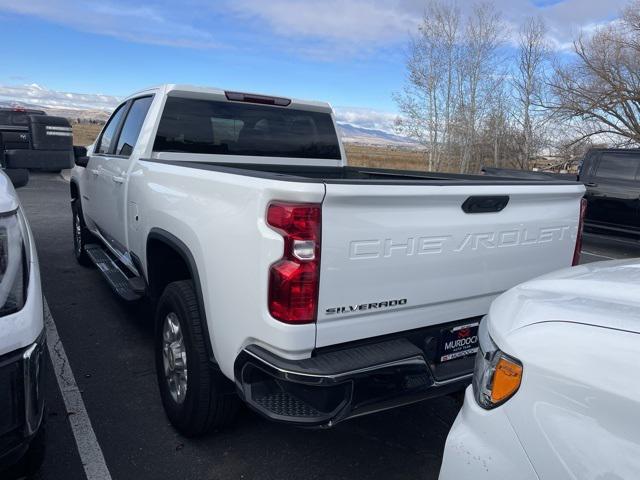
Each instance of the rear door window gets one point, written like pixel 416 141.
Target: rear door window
pixel 132 125
pixel 106 139
pixel 619 166
pixel 229 128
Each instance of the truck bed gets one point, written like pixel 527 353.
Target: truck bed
pixel 361 175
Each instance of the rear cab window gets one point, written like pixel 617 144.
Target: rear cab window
pixel 230 128
pixel 618 166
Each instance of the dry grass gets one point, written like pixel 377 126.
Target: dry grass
pixel 357 155
pixel 85 133
pixel 385 157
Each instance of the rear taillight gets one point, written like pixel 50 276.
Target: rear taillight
pixel 578 249
pixel 294 279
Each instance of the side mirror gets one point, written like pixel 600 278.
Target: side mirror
pixel 18 176
pixel 80 156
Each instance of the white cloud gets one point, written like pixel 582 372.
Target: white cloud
pixel 361 21
pixel 35 94
pixel 351 26
pixel 565 19
pixel 141 24
pixel 367 118
pixel 328 29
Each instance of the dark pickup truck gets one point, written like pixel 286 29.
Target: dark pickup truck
pixel 31 139
pixel 612 179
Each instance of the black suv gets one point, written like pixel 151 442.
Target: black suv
pixel 31 139
pixel 612 178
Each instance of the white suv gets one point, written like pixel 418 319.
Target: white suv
pixel 22 340
pixel 555 393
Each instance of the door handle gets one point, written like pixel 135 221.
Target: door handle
pixel 118 179
pixel 591 184
pixel 95 171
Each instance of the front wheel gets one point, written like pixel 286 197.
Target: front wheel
pixel 81 235
pixel 195 396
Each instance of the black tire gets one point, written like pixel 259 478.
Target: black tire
pixel 81 235
pixel 208 402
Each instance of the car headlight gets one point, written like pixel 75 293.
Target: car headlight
pixel 496 376
pixel 14 262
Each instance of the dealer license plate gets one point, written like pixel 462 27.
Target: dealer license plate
pixel 459 341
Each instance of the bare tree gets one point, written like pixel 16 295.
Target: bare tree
pixel 478 74
pixel 529 88
pixel 451 81
pixel 427 101
pixel 498 132
pixel 600 91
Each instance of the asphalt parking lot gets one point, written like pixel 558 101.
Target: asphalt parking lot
pixel 108 345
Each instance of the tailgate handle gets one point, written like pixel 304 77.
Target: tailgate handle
pixel 485 203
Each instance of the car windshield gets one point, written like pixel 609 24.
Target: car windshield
pixel 229 128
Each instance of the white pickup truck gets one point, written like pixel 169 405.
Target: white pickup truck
pixel 314 291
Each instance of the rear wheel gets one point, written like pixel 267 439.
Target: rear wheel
pixel 196 397
pixel 81 235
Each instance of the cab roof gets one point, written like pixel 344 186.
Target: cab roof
pixel 222 94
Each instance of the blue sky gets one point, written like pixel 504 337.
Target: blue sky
pixel 347 52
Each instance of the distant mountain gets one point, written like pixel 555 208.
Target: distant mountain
pixel 35 94
pixel 367 136
pixel 70 113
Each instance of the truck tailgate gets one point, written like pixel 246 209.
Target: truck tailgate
pixel 399 257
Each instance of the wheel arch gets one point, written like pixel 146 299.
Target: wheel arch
pixel 158 236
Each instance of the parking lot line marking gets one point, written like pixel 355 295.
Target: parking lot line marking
pixel 598 255
pixel 95 468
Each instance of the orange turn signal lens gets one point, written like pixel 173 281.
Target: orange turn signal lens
pixel 506 380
